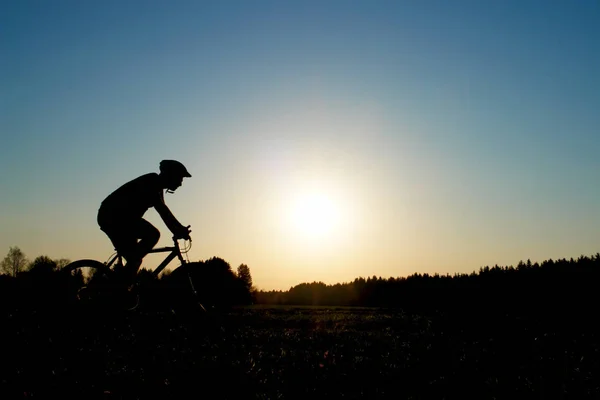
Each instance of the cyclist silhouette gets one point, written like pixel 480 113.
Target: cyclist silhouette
pixel 120 214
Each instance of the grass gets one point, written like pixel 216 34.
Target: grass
pixel 265 352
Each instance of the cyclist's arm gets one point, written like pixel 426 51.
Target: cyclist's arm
pixel 167 216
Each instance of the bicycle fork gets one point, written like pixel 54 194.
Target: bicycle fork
pixel 195 292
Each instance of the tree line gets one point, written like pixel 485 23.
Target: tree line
pixel 558 286
pixel 562 285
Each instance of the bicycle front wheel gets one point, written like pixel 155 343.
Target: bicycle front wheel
pixel 185 291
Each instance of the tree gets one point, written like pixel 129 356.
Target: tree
pixel 246 290
pixel 62 262
pixel 43 263
pixel 14 262
pixel 243 273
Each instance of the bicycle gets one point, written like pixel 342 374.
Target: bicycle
pixel 99 283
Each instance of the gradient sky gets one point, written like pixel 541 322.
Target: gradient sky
pixel 445 136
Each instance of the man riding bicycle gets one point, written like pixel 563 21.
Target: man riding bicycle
pixel 120 214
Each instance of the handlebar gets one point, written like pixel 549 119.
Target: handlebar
pixel 187 237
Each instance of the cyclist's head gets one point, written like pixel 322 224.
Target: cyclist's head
pixel 173 172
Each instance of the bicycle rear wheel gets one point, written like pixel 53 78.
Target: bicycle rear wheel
pixel 87 280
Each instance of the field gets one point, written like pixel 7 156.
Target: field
pixel 296 352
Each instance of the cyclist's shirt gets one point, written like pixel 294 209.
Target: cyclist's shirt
pixel 134 198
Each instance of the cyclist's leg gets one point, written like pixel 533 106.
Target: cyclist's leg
pixel 124 234
pixel 119 230
pixel 124 241
pixel 148 236
pixel 133 250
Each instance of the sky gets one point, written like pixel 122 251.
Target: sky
pixel 327 140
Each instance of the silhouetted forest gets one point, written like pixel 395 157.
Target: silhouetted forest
pixel 552 286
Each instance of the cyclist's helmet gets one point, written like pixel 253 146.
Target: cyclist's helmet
pixel 174 168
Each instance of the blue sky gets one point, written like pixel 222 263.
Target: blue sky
pixel 445 136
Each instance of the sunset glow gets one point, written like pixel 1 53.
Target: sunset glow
pixel 314 215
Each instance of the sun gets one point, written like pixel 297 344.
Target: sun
pixel 314 215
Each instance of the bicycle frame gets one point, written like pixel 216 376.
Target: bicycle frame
pixel 175 251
